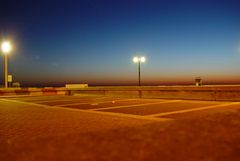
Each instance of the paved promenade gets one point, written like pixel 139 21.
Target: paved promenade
pixel 94 128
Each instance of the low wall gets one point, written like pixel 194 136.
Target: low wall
pixel 33 91
pixel 210 93
pixel 213 93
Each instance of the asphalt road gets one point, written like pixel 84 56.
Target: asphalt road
pixel 96 128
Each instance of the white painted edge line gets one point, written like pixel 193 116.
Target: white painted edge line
pixel 72 99
pixel 37 97
pixel 192 109
pixel 144 104
pixel 84 103
pixel 52 100
pixel 92 112
pixel 14 96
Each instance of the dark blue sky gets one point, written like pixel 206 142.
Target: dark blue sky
pixel 93 41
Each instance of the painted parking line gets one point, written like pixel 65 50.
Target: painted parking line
pixel 15 96
pixel 144 104
pixel 84 103
pixel 192 109
pixel 93 112
pixel 37 98
pixel 62 100
pixel 49 98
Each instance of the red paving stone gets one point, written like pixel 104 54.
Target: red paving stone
pixel 42 133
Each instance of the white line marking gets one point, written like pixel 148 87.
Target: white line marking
pixel 55 100
pixel 192 109
pixel 144 104
pixel 92 112
pixel 37 98
pixel 14 96
pixel 84 103
pixel 62 100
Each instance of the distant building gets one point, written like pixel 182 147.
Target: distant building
pixel 198 81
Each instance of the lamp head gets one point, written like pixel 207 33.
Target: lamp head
pixel 135 59
pixel 6 47
pixel 142 59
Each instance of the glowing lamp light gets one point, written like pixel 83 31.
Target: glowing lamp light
pixel 142 59
pixel 139 59
pixel 135 59
pixel 6 47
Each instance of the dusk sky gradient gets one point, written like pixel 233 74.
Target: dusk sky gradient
pixel 94 41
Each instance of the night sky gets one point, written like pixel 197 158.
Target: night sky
pixel 94 41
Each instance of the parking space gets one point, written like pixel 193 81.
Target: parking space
pixel 146 108
pixel 161 107
pixel 71 101
pixel 110 104
pixel 201 111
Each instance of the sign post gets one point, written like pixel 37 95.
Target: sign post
pixel 9 78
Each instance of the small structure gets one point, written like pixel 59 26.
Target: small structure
pixel 16 85
pixel 76 85
pixel 198 81
pixel 10 80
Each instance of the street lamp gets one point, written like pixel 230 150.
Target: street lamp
pixel 6 49
pixel 139 60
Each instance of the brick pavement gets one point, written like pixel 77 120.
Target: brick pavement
pixel 29 132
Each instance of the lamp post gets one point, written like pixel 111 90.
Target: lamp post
pixel 6 49
pixel 139 60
